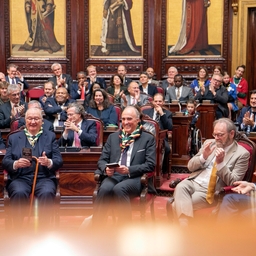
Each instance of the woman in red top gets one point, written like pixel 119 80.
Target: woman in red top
pixel 241 86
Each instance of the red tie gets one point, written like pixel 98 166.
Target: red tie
pixel 82 93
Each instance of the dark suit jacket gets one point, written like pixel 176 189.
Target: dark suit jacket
pixel 68 78
pixel 87 138
pixel 2 144
pixel 51 108
pixel 99 80
pixel 186 94
pixel 221 98
pixel 143 157
pixel 5 113
pixel 126 81
pixel 17 81
pixel 41 101
pixel 46 142
pixel 108 115
pixel 241 116
pixel 47 125
pixel 152 90
pixel 165 121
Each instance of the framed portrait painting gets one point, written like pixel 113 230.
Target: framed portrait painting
pixel 116 28
pixel 194 28
pixel 38 28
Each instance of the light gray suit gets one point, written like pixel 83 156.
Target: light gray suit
pixel 186 94
pixel 143 100
pixel 190 196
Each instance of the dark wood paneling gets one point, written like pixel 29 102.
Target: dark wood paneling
pixel 251 49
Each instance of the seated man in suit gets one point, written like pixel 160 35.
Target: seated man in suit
pixel 163 117
pixel 93 78
pixel 15 77
pixel 216 93
pixel 135 151
pixel 220 162
pixel 80 88
pixel 179 91
pixel 238 206
pixel 47 125
pixel 150 71
pixel 12 109
pixel 55 108
pixel 122 71
pixel 49 90
pixel 169 81
pixel 247 116
pixel 78 132
pixel 145 86
pixel 3 92
pixel 59 79
pixel 21 170
pixel 134 97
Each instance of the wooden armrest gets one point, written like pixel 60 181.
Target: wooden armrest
pixel 144 179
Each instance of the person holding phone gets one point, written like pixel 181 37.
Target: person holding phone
pixel 134 150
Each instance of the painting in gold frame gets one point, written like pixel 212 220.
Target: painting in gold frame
pixel 194 28
pixel 38 28
pixel 116 30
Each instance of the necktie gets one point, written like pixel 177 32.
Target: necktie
pixel 124 156
pixel 132 101
pixel 157 117
pixel 82 93
pixel 17 112
pixel 13 81
pixel 77 140
pixel 178 93
pixel 212 184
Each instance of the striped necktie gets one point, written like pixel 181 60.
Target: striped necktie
pixel 212 184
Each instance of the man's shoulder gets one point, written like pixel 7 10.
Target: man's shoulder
pixel 5 105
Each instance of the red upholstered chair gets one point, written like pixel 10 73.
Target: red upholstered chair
pixel 111 98
pixel 118 110
pixel 160 90
pixel 250 146
pixel 99 127
pixel 14 125
pixel 35 93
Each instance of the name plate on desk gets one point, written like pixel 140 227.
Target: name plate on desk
pixel 206 102
pixel 59 128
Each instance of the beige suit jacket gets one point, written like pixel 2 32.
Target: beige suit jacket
pixel 236 165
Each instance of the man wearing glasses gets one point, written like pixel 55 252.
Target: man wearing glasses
pixel 220 162
pixel 12 109
pixel 216 93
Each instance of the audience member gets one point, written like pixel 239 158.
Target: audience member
pixel 2 77
pixel 145 87
pixel 116 88
pixel 179 92
pixel 21 170
pixel 201 80
pixel 150 71
pixel 59 79
pixel 93 78
pixel 15 77
pixel 55 108
pixel 49 90
pixel 135 151
pixel 122 71
pixel 239 206
pixel 191 111
pixel 80 88
pixel 169 82
pixel 241 86
pixel 100 107
pixel 78 132
pixel 232 94
pixel 217 70
pixel 220 162
pixel 12 109
pixel 247 116
pixel 134 97
pixel 88 97
pixel 216 93
pixel 3 92
pixel 47 125
pixel 164 118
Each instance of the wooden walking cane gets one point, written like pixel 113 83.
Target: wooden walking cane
pixel 33 188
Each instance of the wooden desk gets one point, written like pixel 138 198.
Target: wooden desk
pixel 206 119
pixel 180 135
pixel 5 132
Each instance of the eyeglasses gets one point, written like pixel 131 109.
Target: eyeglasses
pixel 15 94
pixel 36 119
pixel 218 135
pixel 214 79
